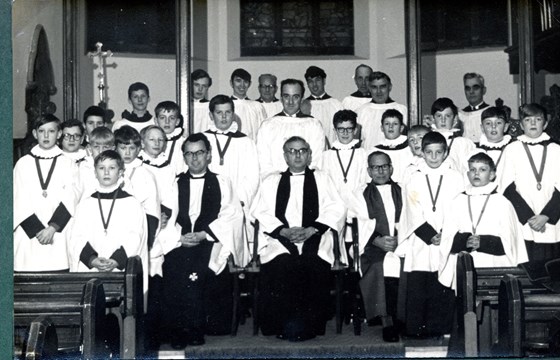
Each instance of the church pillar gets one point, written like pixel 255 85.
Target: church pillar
pixel 526 56
pixel 413 61
pixel 70 79
pixel 184 29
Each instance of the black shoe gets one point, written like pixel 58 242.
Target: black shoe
pixel 390 334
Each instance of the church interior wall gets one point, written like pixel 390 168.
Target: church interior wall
pixel 26 15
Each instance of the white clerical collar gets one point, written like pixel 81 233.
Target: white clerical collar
pixel 38 151
pixel 476 107
pixel 298 173
pixel 481 190
pixel 340 146
pixel 524 138
pixel 320 97
pixel 232 129
pixel 111 188
pixel 395 142
pixel 498 145
pixel 198 176
pixel 178 131
pixel 76 155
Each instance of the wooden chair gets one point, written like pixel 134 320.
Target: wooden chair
pixel 62 323
pixel 249 272
pixel 524 318
pixel 124 297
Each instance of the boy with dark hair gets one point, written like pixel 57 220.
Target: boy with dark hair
pixel 428 195
pixel 323 106
pixel 140 180
pixel 200 83
pixel 94 117
pixel 528 177
pixel 71 140
pixel 249 113
pixel 494 125
pixel 43 202
pixel 168 117
pixel 482 222
pixel 395 143
pixel 139 118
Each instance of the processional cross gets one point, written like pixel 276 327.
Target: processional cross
pixel 102 56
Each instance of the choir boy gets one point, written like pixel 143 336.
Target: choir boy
pixel 414 138
pixel 168 117
pixel 140 117
pixel 494 125
pixel 250 113
pixel 200 83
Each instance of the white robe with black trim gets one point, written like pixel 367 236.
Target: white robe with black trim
pixel 324 110
pixel 369 117
pixel 332 213
pixel 353 102
pixel 515 168
pixel 499 219
pixel 274 132
pixel 173 151
pixel 226 228
pixel 400 154
pixel 418 210
pixel 251 114
pixel 201 117
pixel 30 204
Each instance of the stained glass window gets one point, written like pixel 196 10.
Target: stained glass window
pixel 312 27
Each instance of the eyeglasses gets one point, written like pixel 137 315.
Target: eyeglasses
pixel 267 87
pixel 71 136
pixel 383 167
pixel 343 130
pixel 299 152
pixel 198 153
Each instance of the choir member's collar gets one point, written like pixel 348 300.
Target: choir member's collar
pixel 489 188
pixel 76 156
pixel 176 134
pixel 39 152
pixel 159 161
pixel 110 189
pixel 394 143
pixel 324 96
pixel 232 129
pixel 134 118
pixel 133 164
pixel 236 98
pixel 337 145
pixel 490 145
pixel 265 102
pixel 299 114
pixel 359 94
pixel 544 137
pixel 389 101
pixel 201 100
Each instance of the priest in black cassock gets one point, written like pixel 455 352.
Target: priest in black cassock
pixel 296 210
pixel 202 231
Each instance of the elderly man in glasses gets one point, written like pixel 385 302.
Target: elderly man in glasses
pixel 291 121
pixel 296 210
pixel 267 90
pixel 203 230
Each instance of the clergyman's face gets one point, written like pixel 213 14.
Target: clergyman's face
pixel 297 155
pixel 361 79
pixel 291 98
pixel 197 157
pixel 380 90
pixel 474 91
pixel 380 169
pixel 267 88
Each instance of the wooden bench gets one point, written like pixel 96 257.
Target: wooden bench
pixel 124 297
pixel 475 331
pixel 524 319
pixel 60 325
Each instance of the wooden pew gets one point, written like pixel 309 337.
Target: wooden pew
pixel 73 324
pixel 524 319
pixel 124 297
pixel 475 331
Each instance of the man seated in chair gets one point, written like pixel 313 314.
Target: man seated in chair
pixel 296 209
pixel 378 209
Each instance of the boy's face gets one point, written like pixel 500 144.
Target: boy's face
pixel 494 128
pixel 345 132
pixel 200 88
pixel 380 90
pixel 480 174
pixel 197 157
pixel 107 172
pixel 380 169
pixel 222 116
pixel 47 135
pixel 93 122
pixel 167 120
pixel 415 142
pixel 316 85
pixel 240 87
pixel 71 139
pixel 444 119
pixel 392 128
pixel 533 126
pixel 128 152
pixel 154 142
pixel 97 147
pixel 434 154
pixel 139 100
